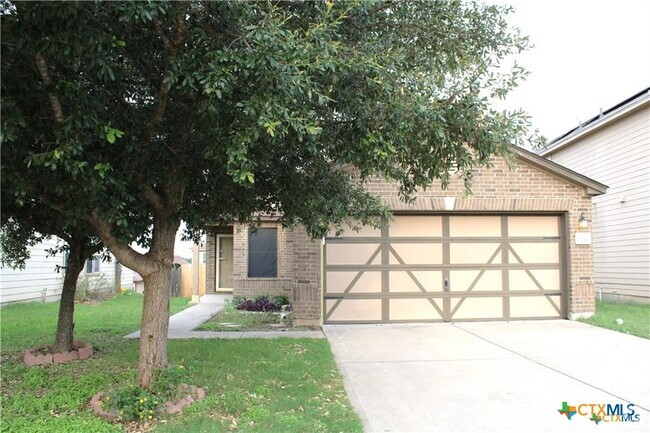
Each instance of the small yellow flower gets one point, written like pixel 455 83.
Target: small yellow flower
pixel 181 367
pixel 155 402
pixel 141 401
pixel 107 398
pixel 150 417
pixel 145 399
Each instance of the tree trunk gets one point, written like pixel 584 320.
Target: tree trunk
pixel 155 267
pixel 154 326
pixel 155 311
pixel 65 324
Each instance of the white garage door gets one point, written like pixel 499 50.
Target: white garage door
pixel 429 268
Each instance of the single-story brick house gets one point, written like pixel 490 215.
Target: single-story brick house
pixel 518 248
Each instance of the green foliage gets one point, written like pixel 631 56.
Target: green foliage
pixel 236 300
pixel 281 299
pixel 248 107
pixel 168 380
pixel 635 317
pixel 133 403
pixel 96 288
pixel 260 297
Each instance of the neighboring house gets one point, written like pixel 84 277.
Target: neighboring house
pixel 614 148
pixel 40 281
pixel 508 252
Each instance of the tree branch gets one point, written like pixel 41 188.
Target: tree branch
pixel 55 102
pixel 171 48
pixel 124 253
pixel 154 199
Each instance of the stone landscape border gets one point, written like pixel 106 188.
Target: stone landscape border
pixel 33 357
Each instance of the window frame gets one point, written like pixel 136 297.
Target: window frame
pixel 252 253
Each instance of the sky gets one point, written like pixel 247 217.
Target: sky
pixel 587 55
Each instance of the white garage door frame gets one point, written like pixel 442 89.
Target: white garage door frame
pixel 382 264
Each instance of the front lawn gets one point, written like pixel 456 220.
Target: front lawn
pixel 231 319
pixel 635 317
pixel 283 385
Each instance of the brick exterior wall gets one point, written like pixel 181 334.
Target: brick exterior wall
pixel 210 261
pixel 522 188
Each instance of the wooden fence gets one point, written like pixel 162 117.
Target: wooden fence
pixel 187 279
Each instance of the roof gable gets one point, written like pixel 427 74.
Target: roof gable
pixel 593 187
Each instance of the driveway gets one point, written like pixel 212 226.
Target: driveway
pixel 491 376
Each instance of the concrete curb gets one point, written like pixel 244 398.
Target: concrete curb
pixel 236 335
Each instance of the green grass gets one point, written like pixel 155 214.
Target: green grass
pixel 34 324
pixel 283 385
pixel 636 318
pixel 247 320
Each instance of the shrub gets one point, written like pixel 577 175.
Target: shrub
pixel 134 403
pixel 168 380
pixel 281 299
pixel 96 288
pixel 260 297
pixel 259 303
pixel 236 300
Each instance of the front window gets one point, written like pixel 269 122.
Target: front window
pixel 263 253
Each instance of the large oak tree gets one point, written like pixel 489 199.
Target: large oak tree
pixel 135 116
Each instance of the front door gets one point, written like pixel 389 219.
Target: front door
pixel 224 263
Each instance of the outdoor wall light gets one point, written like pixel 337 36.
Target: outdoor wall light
pixel 583 222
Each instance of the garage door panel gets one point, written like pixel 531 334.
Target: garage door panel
pixel 534 253
pixel 475 226
pixel 477 308
pixel 401 281
pixel 527 226
pixel 476 281
pixel 344 310
pixel 353 282
pixel 352 254
pixel 535 306
pixel 415 309
pixel 416 226
pixel 476 254
pixel 415 254
pixel 546 279
pixel 477 267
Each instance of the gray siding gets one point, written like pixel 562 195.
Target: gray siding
pixel 618 155
pixel 40 281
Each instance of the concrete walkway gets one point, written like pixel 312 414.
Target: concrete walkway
pixel 492 377
pixel 182 324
